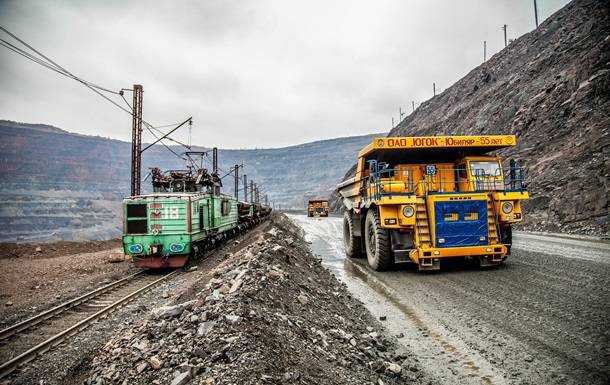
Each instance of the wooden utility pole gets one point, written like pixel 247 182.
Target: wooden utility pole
pixel 136 139
pixel 484 51
pixel 251 191
pixel 413 105
pixel 505 27
pixel 536 13
pixel 434 88
pixel 236 169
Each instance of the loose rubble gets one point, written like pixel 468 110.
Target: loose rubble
pixel 269 314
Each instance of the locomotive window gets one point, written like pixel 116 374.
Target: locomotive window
pixel 136 211
pixel 225 207
pixel 139 226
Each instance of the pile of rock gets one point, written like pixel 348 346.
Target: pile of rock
pixel 270 313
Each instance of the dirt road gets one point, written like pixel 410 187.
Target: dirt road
pixel 542 318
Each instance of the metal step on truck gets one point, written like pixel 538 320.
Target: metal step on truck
pixel 422 200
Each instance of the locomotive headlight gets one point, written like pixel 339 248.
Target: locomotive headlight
pixel 176 247
pixel 136 248
pixel 408 211
pixel 507 207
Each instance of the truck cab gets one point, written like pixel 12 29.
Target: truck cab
pixel 425 199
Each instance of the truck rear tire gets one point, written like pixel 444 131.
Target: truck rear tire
pixel 377 241
pixel 350 241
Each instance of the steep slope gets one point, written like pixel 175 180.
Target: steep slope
pixel 58 185
pixel 550 87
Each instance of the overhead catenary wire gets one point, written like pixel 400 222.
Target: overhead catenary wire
pixel 54 66
pixel 156 128
pixel 58 67
pixel 165 145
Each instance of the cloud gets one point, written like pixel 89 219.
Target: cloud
pixel 251 73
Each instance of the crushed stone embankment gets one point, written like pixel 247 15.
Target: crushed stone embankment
pixel 269 313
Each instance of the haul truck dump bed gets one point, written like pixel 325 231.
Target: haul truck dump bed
pixel 425 199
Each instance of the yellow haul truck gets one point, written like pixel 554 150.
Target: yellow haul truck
pixel 425 199
pixel 318 207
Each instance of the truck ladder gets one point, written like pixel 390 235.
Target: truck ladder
pixel 492 222
pixel 422 226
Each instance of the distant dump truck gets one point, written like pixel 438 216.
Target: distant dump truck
pixel 318 207
pixel 425 199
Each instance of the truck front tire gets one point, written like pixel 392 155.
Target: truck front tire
pixel 350 241
pixel 377 241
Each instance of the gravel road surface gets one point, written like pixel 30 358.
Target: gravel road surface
pixel 542 318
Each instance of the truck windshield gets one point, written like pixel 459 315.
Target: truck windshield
pixel 485 168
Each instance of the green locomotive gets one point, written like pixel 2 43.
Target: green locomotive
pixel 184 215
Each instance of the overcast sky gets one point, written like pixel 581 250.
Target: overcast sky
pixel 251 73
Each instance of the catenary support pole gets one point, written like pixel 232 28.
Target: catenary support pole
pixel 215 168
pixel 236 170
pixel 136 139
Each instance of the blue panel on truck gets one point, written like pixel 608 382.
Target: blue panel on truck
pixel 461 223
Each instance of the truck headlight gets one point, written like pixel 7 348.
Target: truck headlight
pixel 408 211
pixel 507 207
pixel 136 248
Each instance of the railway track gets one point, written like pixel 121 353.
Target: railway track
pixel 27 340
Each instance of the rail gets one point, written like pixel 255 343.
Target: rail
pixel 24 325
pixel 9 366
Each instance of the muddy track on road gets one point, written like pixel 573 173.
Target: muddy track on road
pixel 539 319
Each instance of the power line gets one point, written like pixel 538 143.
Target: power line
pixel 164 145
pixel 43 63
pixel 52 65
pixel 48 63
pixel 57 66
pixel 156 128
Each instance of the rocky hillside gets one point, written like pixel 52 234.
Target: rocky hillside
pixel 56 185
pixel 550 87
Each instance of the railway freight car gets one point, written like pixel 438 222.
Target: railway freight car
pixel 183 216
